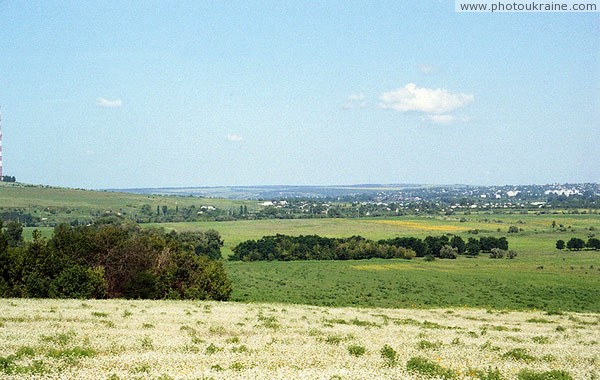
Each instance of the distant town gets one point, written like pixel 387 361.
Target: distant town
pixel 373 200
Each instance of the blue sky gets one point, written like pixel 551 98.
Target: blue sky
pixel 117 94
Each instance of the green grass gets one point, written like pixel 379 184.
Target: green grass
pixel 463 282
pixel 541 277
pixel 537 237
pixel 54 204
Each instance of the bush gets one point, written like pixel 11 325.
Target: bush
pixel 428 368
pixel 518 354
pixel 79 282
pixel 513 229
pixel 497 253
pixel 143 285
pixel 389 355
pixel 575 244
pixel 490 374
pixel 356 350
pixel 448 252
pixel 114 258
pixel 526 374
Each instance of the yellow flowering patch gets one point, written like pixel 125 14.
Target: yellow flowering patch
pixel 420 225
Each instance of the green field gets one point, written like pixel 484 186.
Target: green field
pixel 54 204
pixel 537 237
pixel 541 277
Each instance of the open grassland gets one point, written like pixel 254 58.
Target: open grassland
pixel 540 277
pixel 119 339
pixel 481 282
pixel 64 204
pixel 537 235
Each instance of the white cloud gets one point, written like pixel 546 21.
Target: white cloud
pixel 106 103
pixel 234 137
pixel 426 100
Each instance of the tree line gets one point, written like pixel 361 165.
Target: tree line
pixel 577 244
pixel 112 259
pixel 314 247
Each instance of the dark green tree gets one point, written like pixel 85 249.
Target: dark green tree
pixel 458 243
pixel 575 244
pixel 14 233
pixel 560 244
pixel 473 247
pixel 593 243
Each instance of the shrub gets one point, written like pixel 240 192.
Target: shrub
pixel 497 253
pixel 356 350
pixel 212 349
pixel 143 285
pixel 513 229
pixel 448 252
pixel 389 355
pixel 575 244
pixel 518 354
pixel 428 368
pixel 79 282
pixel 114 258
pixel 526 374
pixel 489 374
pixel 427 345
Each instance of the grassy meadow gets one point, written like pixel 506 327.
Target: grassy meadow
pixel 533 317
pixel 120 339
pixel 64 205
pixel 541 277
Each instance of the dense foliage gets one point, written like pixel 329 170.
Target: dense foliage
pixel 111 259
pixel 314 247
pixel 577 244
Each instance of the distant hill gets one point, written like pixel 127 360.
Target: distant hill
pixel 46 205
pixel 274 191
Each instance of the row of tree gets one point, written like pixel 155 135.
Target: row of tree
pixel 314 247
pixel 112 258
pixel 8 178
pixel 432 245
pixel 577 244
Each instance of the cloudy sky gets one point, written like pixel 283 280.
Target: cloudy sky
pixel 117 94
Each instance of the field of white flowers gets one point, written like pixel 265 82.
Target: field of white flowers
pixel 121 339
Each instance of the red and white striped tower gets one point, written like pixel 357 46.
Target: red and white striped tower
pixel 0 146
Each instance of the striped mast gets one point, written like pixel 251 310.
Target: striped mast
pixel 1 146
